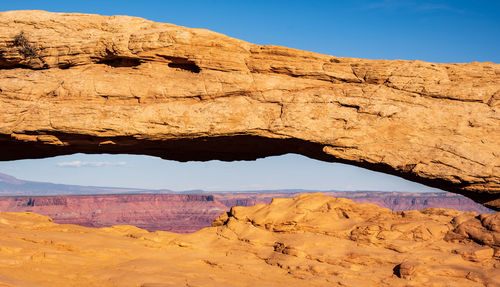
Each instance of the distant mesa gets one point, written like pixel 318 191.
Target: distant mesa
pixel 7 179
pixel 10 186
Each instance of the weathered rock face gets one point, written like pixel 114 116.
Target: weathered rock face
pixel 86 83
pixel 310 240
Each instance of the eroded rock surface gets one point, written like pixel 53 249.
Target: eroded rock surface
pixel 97 84
pixel 310 240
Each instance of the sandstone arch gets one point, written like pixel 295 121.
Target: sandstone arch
pixel 99 84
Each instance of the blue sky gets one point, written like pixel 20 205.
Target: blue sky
pixel 436 31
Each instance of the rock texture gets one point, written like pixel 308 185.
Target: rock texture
pixel 310 240
pixel 97 84
pixel 184 213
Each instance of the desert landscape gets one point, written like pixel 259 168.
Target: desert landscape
pixel 181 212
pixel 186 213
pixel 84 83
pixel 309 240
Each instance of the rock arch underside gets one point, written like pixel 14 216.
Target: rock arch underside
pixel 97 84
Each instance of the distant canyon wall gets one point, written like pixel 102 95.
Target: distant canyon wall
pixel 177 213
pixel 184 213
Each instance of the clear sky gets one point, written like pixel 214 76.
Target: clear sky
pixel 436 31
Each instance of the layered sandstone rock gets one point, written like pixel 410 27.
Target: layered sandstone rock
pixel 310 240
pixel 97 84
